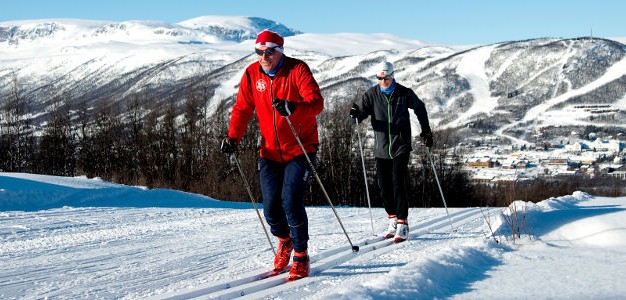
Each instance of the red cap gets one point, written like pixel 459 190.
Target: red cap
pixel 268 38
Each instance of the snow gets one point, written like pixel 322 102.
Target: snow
pixel 472 68
pixel 566 116
pixel 611 74
pixel 176 37
pixel 619 39
pixel 228 22
pixel 72 238
pixel 349 44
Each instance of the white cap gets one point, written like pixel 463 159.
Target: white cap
pixel 383 69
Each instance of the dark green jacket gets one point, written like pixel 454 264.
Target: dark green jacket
pixel 391 120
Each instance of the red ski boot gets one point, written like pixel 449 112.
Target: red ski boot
pixel 285 247
pixel 301 266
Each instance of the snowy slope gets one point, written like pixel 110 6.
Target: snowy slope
pixel 512 89
pixel 98 249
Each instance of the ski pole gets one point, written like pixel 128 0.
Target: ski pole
pixel 295 134
pixel 245 181
pixel 439 185
pixel 367 190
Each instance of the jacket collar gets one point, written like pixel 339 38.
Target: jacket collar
pixel 273 72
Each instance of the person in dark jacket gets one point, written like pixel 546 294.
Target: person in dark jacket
pixel 388 104
pixel 280 89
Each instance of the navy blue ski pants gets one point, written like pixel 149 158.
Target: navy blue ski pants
pixel 283 187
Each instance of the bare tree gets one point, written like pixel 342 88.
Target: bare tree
pixel 18 134
pixel 56 151
pixel 338 160
pixel 131 140
pixel 190 140
pixel 455 183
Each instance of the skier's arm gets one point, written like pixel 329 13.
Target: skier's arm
pixel 312 100
pixel 419 108
pixel 242 110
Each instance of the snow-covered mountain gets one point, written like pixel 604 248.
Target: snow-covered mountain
pixel 520 90
pixel 208 29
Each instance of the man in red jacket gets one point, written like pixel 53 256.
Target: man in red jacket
pixel 280 89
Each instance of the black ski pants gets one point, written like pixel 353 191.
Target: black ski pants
pixel 391 174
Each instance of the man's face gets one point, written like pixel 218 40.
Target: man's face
pixel 268 57
pixel 384 80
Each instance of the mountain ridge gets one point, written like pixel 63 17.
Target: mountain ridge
pixel 207 29
pixel 510 89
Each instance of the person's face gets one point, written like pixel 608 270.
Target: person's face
pixel 384 80
pixel 268 57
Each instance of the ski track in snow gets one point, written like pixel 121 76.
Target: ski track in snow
pixel 71 253
pixel 381 258
pixel 98 252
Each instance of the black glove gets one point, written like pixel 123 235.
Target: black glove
pixel 229 145
pixel 283 107
pixel 427 137
pixel 355 113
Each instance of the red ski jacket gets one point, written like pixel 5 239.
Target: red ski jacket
pixel 293 82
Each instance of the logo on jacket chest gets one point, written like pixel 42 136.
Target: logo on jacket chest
pixel 261 85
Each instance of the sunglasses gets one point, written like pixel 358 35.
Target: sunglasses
pixel 383 78
pixel 268 51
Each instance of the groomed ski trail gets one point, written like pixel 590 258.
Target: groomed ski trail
pixel 331 262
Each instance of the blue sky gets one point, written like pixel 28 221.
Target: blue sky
pixel 440 21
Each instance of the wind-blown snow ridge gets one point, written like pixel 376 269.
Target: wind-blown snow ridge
pixel 46 192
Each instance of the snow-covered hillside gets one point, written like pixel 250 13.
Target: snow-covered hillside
pixel 103 240
pixel 515 89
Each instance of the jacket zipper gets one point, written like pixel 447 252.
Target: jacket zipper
pixel 280 149
pixel 389 123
